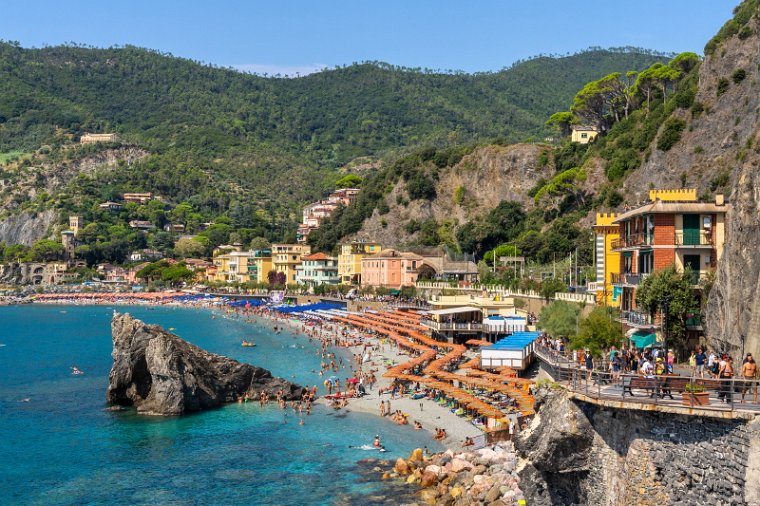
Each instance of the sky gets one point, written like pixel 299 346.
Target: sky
pixel 296 36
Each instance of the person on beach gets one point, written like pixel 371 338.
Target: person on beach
pixel 382 408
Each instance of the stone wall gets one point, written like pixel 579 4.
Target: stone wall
pixel 580 453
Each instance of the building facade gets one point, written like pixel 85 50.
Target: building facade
pixel 286 257
pixel 350 260
pixel 674 228
pixel 315 213
pixel 606 260
pixel 241 267
pixel 583 134
pixel 317 269
pixel 390 269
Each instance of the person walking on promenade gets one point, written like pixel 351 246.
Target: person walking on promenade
pixel 725 373
pixel 749 372
pixel 699 359
pixel 589 366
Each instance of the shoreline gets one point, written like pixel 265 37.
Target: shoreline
pixel 336 338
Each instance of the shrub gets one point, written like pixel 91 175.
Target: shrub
pixel 671 134
pixel 459 195
pixel 722 87
pixel 697 109
pixel 739 75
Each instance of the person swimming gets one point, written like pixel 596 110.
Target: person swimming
pixel 376 443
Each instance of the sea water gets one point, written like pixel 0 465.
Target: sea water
pixel 59 444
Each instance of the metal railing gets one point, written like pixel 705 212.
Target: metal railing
pixel 451 325
pixel 693 238
pixel 637 318
pixel 708 393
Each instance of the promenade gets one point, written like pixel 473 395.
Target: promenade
pixel 722 398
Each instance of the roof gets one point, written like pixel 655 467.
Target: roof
pixel 317 256
pixel 453 310
pixel 516 341
pixel 441 265
pixel 585 128
pixel 392 253
pixel 663 207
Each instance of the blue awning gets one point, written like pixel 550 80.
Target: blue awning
pixel 643 339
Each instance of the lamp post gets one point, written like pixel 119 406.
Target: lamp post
pixel 665 305
pixel 741 339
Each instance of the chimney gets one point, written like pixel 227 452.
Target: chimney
pixel 719 199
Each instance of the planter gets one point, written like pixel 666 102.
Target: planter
pixel 696 399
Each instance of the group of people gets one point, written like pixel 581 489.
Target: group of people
pixel 440 434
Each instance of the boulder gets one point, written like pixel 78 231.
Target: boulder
pixel 428 479
pixel 160 374
pixel 416 455
pixel 401 467
pixel 458 465
pixel 429 496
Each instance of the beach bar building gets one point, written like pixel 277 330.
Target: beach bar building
pixel 515 351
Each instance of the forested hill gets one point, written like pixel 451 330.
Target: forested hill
pixel 325 119
pixel 243 149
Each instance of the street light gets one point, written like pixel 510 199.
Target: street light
pixel 741 339
pixel 665 304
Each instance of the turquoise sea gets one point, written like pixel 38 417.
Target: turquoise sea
pixel 61 446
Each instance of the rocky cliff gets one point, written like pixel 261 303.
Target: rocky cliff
pixel 580 453
pixel 160 374
pixel 487 176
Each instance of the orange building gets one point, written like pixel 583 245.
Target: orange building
pixel 390 269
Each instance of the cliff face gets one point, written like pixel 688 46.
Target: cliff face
pixel 578 453
pixel 488 175
pixel 719 151
pixel 160 374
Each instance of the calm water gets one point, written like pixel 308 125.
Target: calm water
pixel 60 446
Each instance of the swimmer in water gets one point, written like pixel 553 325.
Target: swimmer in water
pixel 376 442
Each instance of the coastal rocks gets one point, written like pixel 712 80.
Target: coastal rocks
pixel 580 453
pixel 486 476
pixel 161 374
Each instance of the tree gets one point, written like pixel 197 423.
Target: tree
pixel 176 274
pixel 551 286
pixel 188 247
pixel 678 289
pixel 598 332
pixel 46 250
pixel 349 181
pixel 684 62
pixel 260 243
pixel 563 121
pixel 600 102
pixel 560 319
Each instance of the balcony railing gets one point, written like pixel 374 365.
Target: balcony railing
pixel 439 326
pixel 636 318
pixel 629 278
pixel 631 241
pixel 693 238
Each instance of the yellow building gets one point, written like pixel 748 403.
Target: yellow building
pixel 350 260
pixel 286 257
pixel 242 267
pixel 583 134
pixel 607 261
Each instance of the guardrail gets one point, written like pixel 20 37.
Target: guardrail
pixel 673 391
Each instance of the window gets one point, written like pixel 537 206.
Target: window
pixel 584 136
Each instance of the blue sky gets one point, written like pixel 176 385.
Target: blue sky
pixel 301 36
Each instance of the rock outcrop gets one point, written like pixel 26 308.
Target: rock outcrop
pixel 489 175
pixel 161 374
pixel 484 476
pixel 579 453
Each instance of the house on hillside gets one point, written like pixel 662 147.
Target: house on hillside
pixel 140 198
pixel 95 138
pixel 583 134
pixel 110 206
pixel 141 225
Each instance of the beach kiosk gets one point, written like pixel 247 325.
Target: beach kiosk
pixel 515 351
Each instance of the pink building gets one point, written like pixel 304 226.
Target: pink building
pixel 390 269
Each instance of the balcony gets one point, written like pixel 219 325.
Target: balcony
pixel 629 279
pixel 443 326
pixel 693 238
pixel 631 241
pixel 638 319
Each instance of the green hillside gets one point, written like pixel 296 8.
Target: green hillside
pixel 230 143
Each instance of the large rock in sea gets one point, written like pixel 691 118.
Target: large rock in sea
pixel 161 374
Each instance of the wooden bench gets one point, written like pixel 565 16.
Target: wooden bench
pixel 640 383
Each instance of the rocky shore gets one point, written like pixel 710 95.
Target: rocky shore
pixel 487 476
